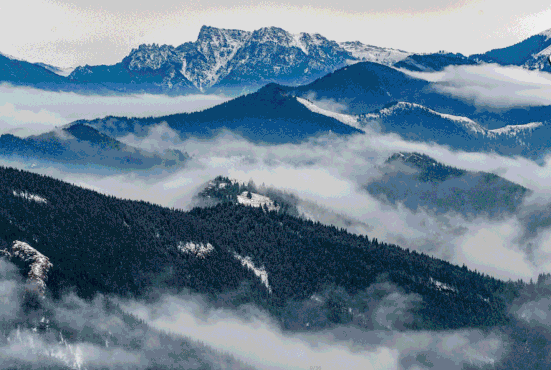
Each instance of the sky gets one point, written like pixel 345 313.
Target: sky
pixel 77 32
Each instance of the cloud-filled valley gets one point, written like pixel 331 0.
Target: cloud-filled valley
pixel 330 172
pixel 330 175
pixel 491 86
pixel 28 111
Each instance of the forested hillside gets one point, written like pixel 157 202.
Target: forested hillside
pixel 102 244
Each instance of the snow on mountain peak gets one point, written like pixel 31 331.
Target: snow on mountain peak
pixel 512 130
pixel 376 54
pixel 464 122
pixel 231 55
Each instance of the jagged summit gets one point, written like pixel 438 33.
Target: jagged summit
pixel 230 59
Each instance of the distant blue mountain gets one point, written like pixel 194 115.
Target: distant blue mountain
pixel 271 115
pixel 433 62
pixel 79 144
pixel 526 53
pixel 24 73
pixel 363 87
pixel 531 53
pixel 366 86
pixel 418 123
pixel 418 181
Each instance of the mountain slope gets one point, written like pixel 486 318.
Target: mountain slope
pixel 79 144
pixel 19 72
pixel 418 123
pixel 125 247
pixel 433 62
pixel 531 53
pixel 416 180
pixel 221 60
pixel 270 115
pixel 363 87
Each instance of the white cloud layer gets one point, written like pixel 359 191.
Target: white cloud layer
pixel 491 85
pixel 27 111
pixel 330 172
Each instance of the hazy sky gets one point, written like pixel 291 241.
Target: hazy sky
pixel 77 32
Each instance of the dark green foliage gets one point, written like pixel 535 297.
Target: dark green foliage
pixel 228 192
pixel 99 243
pixel 417 180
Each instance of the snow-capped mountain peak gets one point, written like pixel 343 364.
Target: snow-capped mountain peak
pixel 376 54
pixel 233 58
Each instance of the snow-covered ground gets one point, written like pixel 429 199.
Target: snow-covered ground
pixel 512 130
pixel 260 272
pixel 370 53
pixel 442 286
pixel 257 200
pixel 30 196
pixel 39 264
pixel 200 250
pixel 347 119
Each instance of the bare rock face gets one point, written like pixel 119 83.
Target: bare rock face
pixel 35 262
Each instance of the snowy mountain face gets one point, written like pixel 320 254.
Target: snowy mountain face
pixel 376 54
pixel 57 70
pixel 224 58
pixel 418 123
pixel 31 260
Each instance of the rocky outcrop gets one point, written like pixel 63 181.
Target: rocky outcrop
pixel 32 261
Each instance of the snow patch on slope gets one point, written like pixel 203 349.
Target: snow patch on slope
pixel 442 286
pixel 260 272
pixel 344 118
pixel 376 54
pixel 546 33
pixel 464 122
pixel 30 196
pixel 38 264
pixel 512 130
pixel 257 200
pixel 199 250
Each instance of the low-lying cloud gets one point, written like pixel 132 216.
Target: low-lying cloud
pixel 491 85
pixel 329 175
pixel 187 331
pixel 27 111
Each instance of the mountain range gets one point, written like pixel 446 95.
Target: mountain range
pixel 270 115
pixel 308 276
pixel 79 145
pixel 234 62
pixel 418 181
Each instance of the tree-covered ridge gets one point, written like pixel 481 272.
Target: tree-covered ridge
pixel 270 115
pixel 80 144
pixel 430 169
pixel 99 243
pixel 418 180
pixel 225 190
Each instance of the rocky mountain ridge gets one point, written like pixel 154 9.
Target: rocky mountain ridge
pixel 228 58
